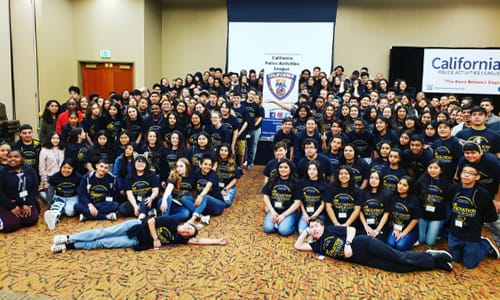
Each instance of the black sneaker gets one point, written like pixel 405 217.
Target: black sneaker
pixel 440 255
pixel 447 266
pixel 493 251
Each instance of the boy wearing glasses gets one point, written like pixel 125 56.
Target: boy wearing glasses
pixel 471 206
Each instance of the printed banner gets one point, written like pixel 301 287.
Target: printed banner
pixel 461 71
pixel 281 80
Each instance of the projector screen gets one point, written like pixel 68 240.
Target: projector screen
pixel 248 42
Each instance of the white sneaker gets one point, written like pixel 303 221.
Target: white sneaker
pixel 82 218
pixel 50 219
pixel 56 248
pixel 60 239
pixel 111 216
pixel 205 219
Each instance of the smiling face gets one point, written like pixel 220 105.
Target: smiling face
pixel 140 165
pixel 312 172
pixel 55 140
pixel 374 180
pixel 202 141
pixel 180 168
pixel 434 170
pixel 152 138
pixel 224 152
pixel 132 113
pixel 4 151
pixel 349 153
pixel 205 166
pixel 186 230
pixel 15 158
pixel 284 170
pixel 53 108
pixel 403 187
pixel 344 177
pixel 380 125
pixel 66 170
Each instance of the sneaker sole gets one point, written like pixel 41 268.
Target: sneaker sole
pixel 492 246
pixel 49 218
pixel 430 251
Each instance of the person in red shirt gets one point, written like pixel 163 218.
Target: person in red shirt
pixel 63 118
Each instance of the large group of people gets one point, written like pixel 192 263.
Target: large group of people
pixel 363 169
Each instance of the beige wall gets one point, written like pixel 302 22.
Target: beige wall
pixel 114 25
pixel 171 38
pixel 364 34
pixel 194 37
pixel 5 64
pixel 24 59
pixel 152 41
pixel 57 68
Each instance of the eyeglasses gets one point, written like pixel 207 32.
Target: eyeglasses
pixel 469 173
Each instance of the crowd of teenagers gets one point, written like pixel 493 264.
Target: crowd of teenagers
pixel 362 169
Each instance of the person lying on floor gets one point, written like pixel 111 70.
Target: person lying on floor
pixel 137 234
pixel 341 242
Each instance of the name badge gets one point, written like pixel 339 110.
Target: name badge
pixel 23 194
pixel 398 227
pixel 139 198
pixel 310 209
pixel 342 215
pixel 459 223
pixel 430 208
pixel 109 199
pixel 278 204
pixel 221 184
pixel 370 221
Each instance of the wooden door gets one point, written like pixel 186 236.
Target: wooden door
pixel 102 78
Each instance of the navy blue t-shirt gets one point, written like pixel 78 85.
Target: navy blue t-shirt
pixel 201 180
pixel 65 186
pixel 404 210
pixel 311 193
pixel 281 194
pixel 343 203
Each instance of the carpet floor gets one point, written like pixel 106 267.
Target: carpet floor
pixel 253 265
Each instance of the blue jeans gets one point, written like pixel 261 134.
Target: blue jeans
pixel 103 209
pixel 127 210
pixel 303 224
pixel 429 230
pixel 107 237
pixel 405 242
pixel 188 202
pixel 66 204
pixel 174 210
pixel 252 145
pixel 495 229
pixel 215 207
pixel 285 228
pixel 229 196
pixel 469 253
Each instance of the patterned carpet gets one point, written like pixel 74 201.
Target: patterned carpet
pixel 252 266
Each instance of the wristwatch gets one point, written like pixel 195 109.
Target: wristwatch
pixel 348 243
